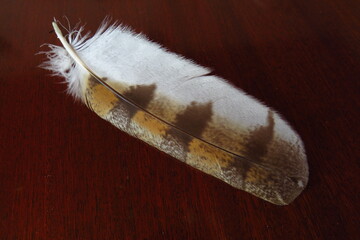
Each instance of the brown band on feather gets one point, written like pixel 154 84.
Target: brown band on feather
pixel 256 146
pixel 140 95
pixel 192 120
pixel 259 139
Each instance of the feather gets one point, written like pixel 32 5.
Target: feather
pixel 182 109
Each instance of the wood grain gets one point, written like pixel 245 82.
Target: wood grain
pixel 67 174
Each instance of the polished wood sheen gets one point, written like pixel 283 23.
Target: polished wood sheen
pixel 67 174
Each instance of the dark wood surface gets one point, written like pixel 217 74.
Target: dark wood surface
pixel 67 174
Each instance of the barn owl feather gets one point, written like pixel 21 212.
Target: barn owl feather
pixel 180 108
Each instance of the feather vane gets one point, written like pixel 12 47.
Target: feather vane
pixel 182 109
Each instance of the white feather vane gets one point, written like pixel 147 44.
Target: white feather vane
pixel 182 109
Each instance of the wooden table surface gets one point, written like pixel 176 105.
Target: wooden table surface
pixel 67 174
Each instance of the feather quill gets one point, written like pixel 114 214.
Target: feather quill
pixel 181 109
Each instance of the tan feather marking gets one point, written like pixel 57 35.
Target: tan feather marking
pixel 153 125
pixel 99 98
pixel 255 174
pixel 207 158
